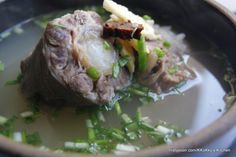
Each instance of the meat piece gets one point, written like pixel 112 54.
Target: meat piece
pixel 165 73
pixel 121 29
pixel 56 70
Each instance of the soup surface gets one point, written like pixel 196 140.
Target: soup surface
pixel 192 107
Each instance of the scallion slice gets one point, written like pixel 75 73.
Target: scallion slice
pixel 93 73
pixel 115 70
pixel 106 45
pixel 160 53
pixel 118 108
pixel 3 120
pixel 126 119
pixel 142 54
pixel 166 44
pixel 147 17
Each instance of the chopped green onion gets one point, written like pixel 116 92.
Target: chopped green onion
pixel 173 70
pixel 160 53
pixel 3 120
pixel 17 137
pixel 69 145
pixel 8 127
pixel 89 123
pixel 91 132
pixel 132 135
pixel 157 137
pixel 123 61
pixel 16 81
pixel 115 70
pixel 26 114
pixel 168 140
pixel 18 30
pixel 132 127
pixel 93 73
pixel 101 116
pixel 142 54
pixel 126 119
pixel 164 130
pixel 146 126
pixel 137 92
pixel 127 148
pixel 138 115
pixel 81 145
pixel 166 44
pixel 2 66
pixel 33 139
pixel 146 17
pixel 118 136
pixel 106 45
pixel 153 95
pixel 5 34
pixel 118 108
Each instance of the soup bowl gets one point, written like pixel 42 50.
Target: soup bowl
pixel 206 18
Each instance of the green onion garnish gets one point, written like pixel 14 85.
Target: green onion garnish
pixel 16 81
pixel 146 126
pixel 123 61
pixel 3 120
pixel 126 119
pixel 118 108
pixel 118 136
pixel 173 70
pixel 101 116
pixel 160 53
pixel 115 70
pixel 18 30
pixel 166 44
pixel 147 17
pixel 106 45
pixel 2 66
pixel 138 115
pixel 91 132
pixel 93 73
pixel 33 139
pixel 142 54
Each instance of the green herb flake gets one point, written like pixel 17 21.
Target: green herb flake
pixel 8 127
pixel 2 66
pixel 123 61
pixel 166 44
pixel 115 70
pixel 18 30
pixel 16 81
pixel 173 70
pixel 33 139
pixel 147 17
pixel 93 73
pixel 160 53
pixel 3 120
pixel 142 54
pixel 106 45
pixel 5 34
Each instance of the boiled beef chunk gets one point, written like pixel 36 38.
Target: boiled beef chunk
pixel 57 70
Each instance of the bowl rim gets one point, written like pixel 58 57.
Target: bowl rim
pixel 204 136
